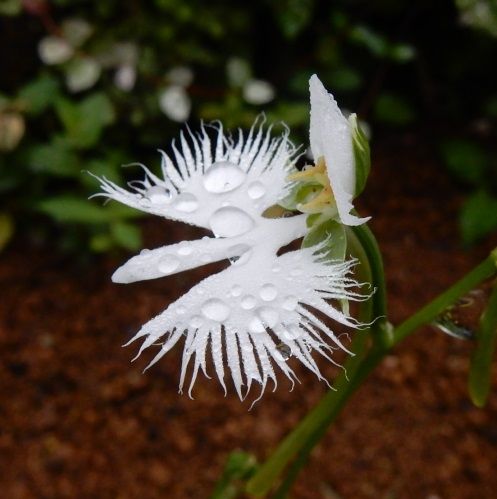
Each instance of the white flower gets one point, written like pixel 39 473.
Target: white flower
pixel 258 92
pixel 263 308
pixel 331 140
pixel 54 50
pixel 175 103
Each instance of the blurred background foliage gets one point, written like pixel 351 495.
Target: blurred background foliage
pixel 91 85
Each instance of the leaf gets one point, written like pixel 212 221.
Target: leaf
pixel 393 110
pixel 373 41
pixel 478 217
pixel 56 158
pixel 239 467
pixel 6 229
pixel 39 94
pixel 362 155
pixel 332 231
pixel 126 235
pixel 480 375
pixel 465 160
pixel 100 243
pixel 10 7
pixel 293 16
pixel 85 121
pixel 73 209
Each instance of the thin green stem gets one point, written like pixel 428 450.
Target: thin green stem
pixel 299 443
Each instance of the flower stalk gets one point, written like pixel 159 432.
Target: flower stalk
pixel 300 442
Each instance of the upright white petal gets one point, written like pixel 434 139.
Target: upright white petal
pixel 331 138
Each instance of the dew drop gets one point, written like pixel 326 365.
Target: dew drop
pixel 248 302
pixel 230 222
pixel 236 290
pixel 168 264
pixel 276 268
pixel 268 292
pixel 184 249
pixel 216 310
pixel 223 176
pixel 196 321
pixel 185 202
pixel 158 195
pixel 268 315
pixel 290 303
pixel 283 351
pixel 144 251
pixel 256 190
pixel 256 325
pixel 292 333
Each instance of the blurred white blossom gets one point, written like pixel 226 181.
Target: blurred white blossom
pixel 125 77
pixel 258 92
pixel 76 31
pixel 82 74
pixel 238 71
pixel 175 103
pixel 54 50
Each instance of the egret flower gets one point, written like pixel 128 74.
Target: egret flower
pixel 264 307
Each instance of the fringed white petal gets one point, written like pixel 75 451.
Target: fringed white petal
pixel 260 312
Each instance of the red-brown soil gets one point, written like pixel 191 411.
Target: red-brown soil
pixel 77 420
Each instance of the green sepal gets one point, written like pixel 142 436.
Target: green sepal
pixel 362 155
pixel 301 193
pixel 480 372
pixel 334 233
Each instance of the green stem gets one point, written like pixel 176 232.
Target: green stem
pixel 304 437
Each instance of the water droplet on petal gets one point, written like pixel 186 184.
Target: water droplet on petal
pixel 158 195
pixel 283 351
pixel 236 290
pixel 168 264
pixel 196 321
pixel 223 176
pixel 268 315
pixel 290 302
pixel 144 251
pixel 256 190
pixel 185 202
pixel 248 302
pixel 184 249
pixel 230 222
pixel 276 268
pixel 216 310
pixel 292 333
pixel 256 325
pixel 268 292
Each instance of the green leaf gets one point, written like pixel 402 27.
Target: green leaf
pixel 393 110
pixel 56 158
pixel 10 7
pixel 374 42
pixel 402 53
pixel 299 194
pixel 293 16
pixel 478 217
pixel 344 79
pixel 85 121
pixel 362 155
pixel 329 230
pixel 73 209
pixel 126 235
pixel 480 374
pixel 39 94
pixel 465 160
pixel 239 467
pixel 6 229
pixel 100 243
pixel 79 210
